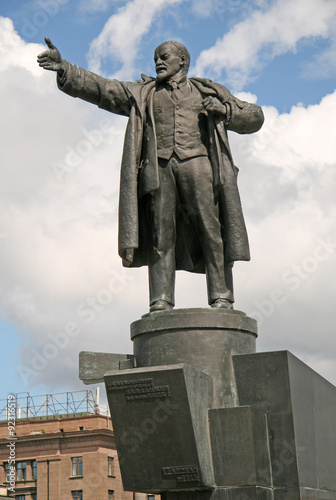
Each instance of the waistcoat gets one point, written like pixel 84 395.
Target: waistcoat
pixel 180 126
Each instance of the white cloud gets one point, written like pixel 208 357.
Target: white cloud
pixel 203 9
pixel 122 34
pixel 221 8
pixel 58 210
pixel 59 264
pixel 265 34
pixel 13 51
pixel 287 185
pixel 96 5
pixel 323 65
pixel 294 142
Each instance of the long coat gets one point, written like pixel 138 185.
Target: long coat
pixel 139 176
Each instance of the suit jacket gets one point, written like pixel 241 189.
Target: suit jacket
pixel 139 168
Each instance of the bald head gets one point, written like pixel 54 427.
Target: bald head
pixel 170 58
pixel 180 49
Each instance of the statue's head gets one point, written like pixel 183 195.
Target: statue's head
pixel 171 58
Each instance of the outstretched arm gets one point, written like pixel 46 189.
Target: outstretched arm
pixel 111 95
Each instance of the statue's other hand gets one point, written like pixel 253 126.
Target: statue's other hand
pixel 50 59
pixel 213 105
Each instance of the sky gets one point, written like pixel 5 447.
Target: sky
pixel 62 288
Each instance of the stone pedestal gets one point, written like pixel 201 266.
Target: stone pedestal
pixel 204 339
pixel 199 415
pixel 169 431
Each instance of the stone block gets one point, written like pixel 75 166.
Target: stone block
pixel 160 421
pixel 94 365
pixel 301 413
pixel 240 450
pixel 230 493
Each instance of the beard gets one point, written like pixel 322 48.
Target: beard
pixel 162 76
pixel 166 75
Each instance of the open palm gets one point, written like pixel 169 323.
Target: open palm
pixel 50 59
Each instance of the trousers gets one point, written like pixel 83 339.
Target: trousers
pixel 186 186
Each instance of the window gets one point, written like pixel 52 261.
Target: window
pixel 77 495
pixel 7 470
pixel 34 496
pixel 21 497
pixel 34 469
pixel 151 497
pixel 110 494
pixel 110 466
pixel 77 466
pixel 21 469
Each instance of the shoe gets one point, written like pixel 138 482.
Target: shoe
pixel 221 304
pixel 160 305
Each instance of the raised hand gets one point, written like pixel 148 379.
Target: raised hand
pixel 50 59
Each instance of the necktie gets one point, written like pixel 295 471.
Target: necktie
pixel 174 91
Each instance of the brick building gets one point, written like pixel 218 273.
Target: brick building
pixel 63 457
pixel 3 492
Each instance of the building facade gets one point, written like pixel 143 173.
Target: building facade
pixel 62 457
